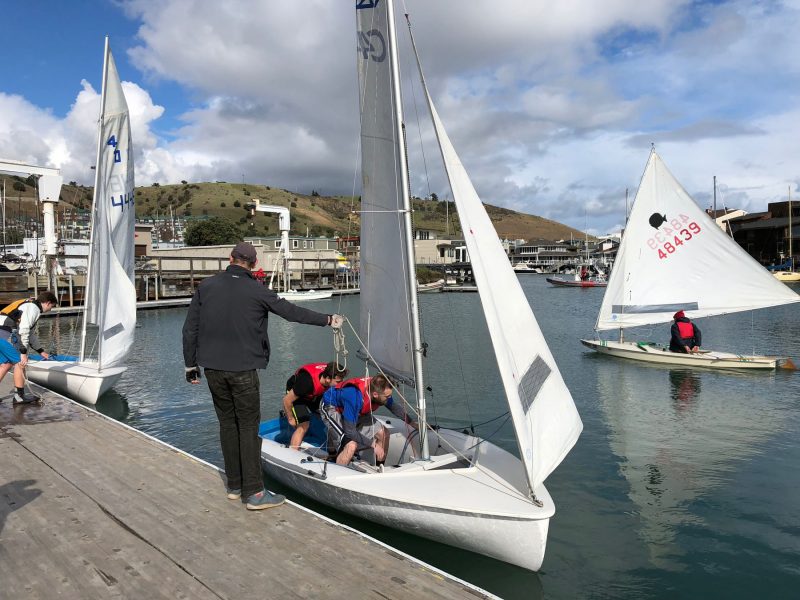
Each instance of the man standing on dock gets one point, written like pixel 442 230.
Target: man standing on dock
pixel 226 333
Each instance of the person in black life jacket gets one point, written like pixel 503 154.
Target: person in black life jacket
pixel 686 336
pixel 304 391
pixel 17 333
pixel 347 411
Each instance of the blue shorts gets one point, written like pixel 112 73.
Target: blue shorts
pixel 8 353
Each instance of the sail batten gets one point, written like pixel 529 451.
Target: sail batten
pixel 674 257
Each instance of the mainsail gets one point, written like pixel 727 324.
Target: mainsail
pixel 386 300
pixel 110 292
pixel 674 257
pixel 546 421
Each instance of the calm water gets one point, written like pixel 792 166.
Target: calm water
pixel 683 483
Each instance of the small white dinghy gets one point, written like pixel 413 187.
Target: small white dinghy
pixel 440 484
pixel 300 295
pixel 674 257
pixel 110 300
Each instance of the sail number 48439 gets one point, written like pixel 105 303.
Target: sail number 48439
pixel 673 235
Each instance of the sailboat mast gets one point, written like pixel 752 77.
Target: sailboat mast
pixel 410 258
pixel 95 199
pixel 791 256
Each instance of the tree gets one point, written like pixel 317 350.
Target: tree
pixel 19 186
pixel 212 232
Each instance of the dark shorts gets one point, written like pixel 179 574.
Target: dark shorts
pixel 302 411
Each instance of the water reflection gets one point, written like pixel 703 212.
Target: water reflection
pixel 114 405
pixel 679 435
pixel 684 386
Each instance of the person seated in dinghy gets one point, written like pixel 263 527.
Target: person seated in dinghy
pixel 686 336
pixel 304 391
pixel 347 411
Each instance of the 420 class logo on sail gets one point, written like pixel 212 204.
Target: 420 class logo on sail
pixel 675 233
pixel 121 195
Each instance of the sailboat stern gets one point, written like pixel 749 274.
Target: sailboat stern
pixel 78 380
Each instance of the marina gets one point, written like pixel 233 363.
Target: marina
pixel 665 494
pixel 429 420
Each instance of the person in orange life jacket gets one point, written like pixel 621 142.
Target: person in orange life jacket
pixel 14 344
pixel 347 410
pixel 686 336
pixel 304 391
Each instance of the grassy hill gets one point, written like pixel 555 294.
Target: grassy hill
pixel 319 215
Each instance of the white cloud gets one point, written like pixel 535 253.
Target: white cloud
pixel 552 106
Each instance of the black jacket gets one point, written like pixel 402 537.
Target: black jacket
pixel 677 343
pixel 226 328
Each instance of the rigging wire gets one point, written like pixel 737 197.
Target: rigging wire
pixel 441 440
pixel 460 361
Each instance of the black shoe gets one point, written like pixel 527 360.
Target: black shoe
pixel 25 398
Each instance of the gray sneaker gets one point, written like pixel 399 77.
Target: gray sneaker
pixel 234 494
pixel 25 398
pixel 264 499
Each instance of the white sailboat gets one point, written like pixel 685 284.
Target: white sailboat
pixel 673 257
pixel 451 487
pixel 110 301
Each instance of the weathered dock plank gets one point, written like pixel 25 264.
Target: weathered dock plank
pixel 92 509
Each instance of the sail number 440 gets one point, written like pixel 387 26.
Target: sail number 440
pixel 673 235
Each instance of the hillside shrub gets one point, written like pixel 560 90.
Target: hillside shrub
pixel 212 232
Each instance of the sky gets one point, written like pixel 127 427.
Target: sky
pixel 552 106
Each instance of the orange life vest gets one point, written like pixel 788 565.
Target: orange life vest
pixel 685 330
pixel 362 383
pixel 314 370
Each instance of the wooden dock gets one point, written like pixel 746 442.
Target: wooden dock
pixel 91 508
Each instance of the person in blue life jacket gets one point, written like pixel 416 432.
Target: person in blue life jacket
pixel 17 334
pixel 685 335
pixel 347 411
pixel 304 391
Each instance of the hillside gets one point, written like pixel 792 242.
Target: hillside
pixel 319 215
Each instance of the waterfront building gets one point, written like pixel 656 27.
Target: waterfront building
pixel 765 235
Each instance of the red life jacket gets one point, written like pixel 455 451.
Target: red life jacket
pixel 314 370
pixel 362 383
pixel 685 330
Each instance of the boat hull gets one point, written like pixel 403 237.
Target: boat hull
pixel 444 499
pixel 787 275
pixel 580 284
pixel 78 380
pixel 661 355
pixel 298 296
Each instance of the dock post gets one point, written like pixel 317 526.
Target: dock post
pixel 146 288
pixel 191 274
pixel 158 277
pixel 71 296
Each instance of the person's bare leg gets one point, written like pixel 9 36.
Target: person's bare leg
pixel 346 455
pixel 4 368
pixel 19 375
pixel 383 440
pixel 299 434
